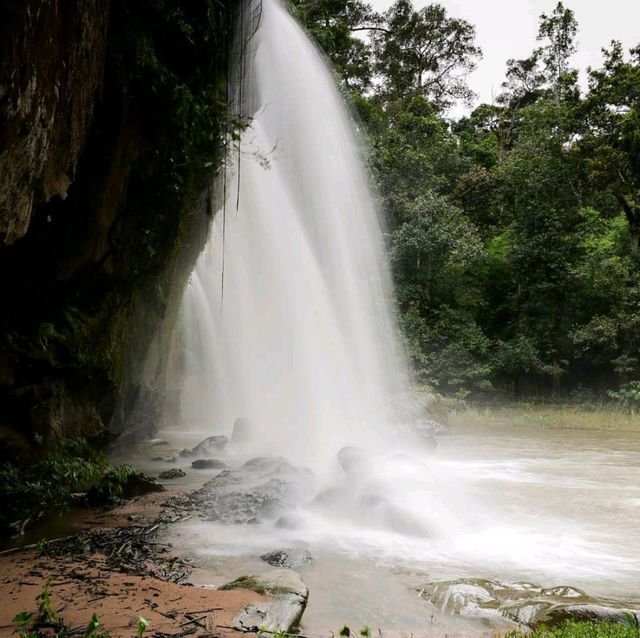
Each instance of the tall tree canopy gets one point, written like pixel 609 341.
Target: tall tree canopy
pixel 514 232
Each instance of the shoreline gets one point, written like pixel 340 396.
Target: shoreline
pixel 103 569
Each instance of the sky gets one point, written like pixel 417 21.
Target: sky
pixel 507 29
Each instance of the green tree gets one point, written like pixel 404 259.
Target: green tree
pixel 333 24
pixel 424 52
pixel 610 138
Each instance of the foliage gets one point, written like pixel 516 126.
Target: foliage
pixel 514 233
pixel 71 466
pixel 417 51
pixel 628 396
pixel 583 629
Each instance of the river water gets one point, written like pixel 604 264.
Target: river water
pixel 552 507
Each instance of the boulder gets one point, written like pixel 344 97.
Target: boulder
pixel 210 446
pixel 289 558
pixel 524 603
pixel 352 459
pixel 287 599
pixel 207 448
pixel 262 490
pixel 242 431
pixel 173 473
pixel 208 464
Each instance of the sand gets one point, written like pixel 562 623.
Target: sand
pixel 81 584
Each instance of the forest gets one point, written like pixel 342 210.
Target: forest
pixel 514 231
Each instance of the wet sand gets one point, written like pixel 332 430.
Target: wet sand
pixel 81 584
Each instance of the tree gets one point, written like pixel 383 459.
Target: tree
pixel 559 30
pixel 333 24
pixel 610 137
pixel 424 52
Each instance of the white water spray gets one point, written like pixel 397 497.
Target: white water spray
pixel 303 343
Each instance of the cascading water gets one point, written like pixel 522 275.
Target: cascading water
pixel 303 345
pixel 303 342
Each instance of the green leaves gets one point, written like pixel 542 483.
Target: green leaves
pixel 143 625
pixel 514 233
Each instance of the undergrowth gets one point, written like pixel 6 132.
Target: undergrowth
pixel 72 467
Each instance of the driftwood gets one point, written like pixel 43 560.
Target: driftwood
pixel 130 550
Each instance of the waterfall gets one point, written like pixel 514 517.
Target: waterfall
pixel 303 342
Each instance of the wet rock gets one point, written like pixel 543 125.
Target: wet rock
pixel 591 612
pixel 164 459
pixel 157 442
pixel 210 446
pixel 290 558
pixel 523 603
pixel 207 448
pixel 208 464
pixel 329 498
pixel 242 430
pixel 351 459
pixel 289 521
pixel 288 596
pixel 173 473
pixel 463 596
pixel 262 489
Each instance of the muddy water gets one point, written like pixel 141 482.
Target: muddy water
pixel 549 507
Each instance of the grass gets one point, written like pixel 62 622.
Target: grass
pixel 543 416
pixel 581 630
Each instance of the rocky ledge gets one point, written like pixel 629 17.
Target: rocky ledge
pixel 524 603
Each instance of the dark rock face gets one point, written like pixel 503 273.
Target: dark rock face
pixel 105 203
pixel 52 60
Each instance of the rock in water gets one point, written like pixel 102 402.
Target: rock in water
pixel 288 596
pixel 173 473
pixel 241 430
pixel 210 446
pixel 289 558
pixel 208 464
pixel 523 603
